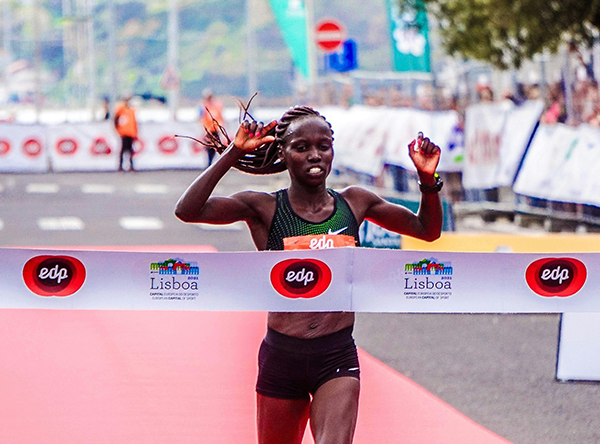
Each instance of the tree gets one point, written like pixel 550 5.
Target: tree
pixel 507 32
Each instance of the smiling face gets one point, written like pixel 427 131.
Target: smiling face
pixel 307 150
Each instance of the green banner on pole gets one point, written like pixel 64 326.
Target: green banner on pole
pixel 409 32
pixel 291 18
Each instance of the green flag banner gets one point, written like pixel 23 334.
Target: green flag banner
pixel 291 18
pixel 409 32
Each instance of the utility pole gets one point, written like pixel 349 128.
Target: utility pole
pixel 91 54
pixel 7 43
pixel 37 60
pixel 112 54
pixel 311 50
pixel 172 63
pixel 251 52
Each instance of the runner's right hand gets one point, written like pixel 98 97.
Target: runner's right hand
pixel 251 135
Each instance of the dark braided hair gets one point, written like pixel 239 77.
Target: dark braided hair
pixel 264 159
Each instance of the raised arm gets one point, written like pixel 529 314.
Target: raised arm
pixel 196 205
pixel 427 223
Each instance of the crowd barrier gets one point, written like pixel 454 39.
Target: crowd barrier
pixel 562 164
pixel 95 146
pixel 503 146
pixel 365 140
pixel 496 139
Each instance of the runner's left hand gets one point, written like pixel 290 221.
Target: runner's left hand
pixel 425 155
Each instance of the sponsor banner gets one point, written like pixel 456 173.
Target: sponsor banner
pixel 437 282
pixel 360 135
pixel 347 279
pixel 520 124
pixel 367 138
pixel 496 137
pixel 23 148
pixel 83 146
pixel 280 281
pixel 157 148
pixel 562 164
pixel 439 126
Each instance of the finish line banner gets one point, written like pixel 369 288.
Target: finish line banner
pixel 344 279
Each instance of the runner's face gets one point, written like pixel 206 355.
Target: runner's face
pixel 308 150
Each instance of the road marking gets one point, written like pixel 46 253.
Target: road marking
pixel 46 188
pixel 1 224
pixel 98 188
pixel 151 188
pixel 141 223
pixel 60 223
pixel 236 226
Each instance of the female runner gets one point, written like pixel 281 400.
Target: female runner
pixel 308 366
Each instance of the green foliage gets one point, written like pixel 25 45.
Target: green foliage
pixel 507 32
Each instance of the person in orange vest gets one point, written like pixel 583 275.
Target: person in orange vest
pixel 126 126
pixel 211 117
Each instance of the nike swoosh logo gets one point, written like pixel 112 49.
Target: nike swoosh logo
pixel 336 231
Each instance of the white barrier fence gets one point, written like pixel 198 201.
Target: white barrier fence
pixel 96 146
pixel 496 137
pixel 366 139
pixel 562 164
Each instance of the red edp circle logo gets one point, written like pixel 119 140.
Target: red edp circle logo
pixel 32 147
pixel 54 275
pixel 556 277
pixel 168 145
pixel 301 278
pixel 67 146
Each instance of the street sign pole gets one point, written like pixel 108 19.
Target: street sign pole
pixel 173 55
pixel 311 50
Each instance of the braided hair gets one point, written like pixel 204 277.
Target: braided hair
pixel 264 159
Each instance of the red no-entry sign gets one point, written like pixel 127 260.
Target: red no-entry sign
pixel 329 35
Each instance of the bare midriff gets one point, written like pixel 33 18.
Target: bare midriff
pixel 309 324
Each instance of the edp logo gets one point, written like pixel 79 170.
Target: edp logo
pixel 556 277
pixel 301 278
pixel 54 275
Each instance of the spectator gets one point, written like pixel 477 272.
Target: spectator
pixel 105 108
pixel 126 125
pixel 556 112
pixel 211 117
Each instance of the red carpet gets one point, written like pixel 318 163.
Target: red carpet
pixel 124 377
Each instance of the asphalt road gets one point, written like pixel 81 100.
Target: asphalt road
pixel 497 369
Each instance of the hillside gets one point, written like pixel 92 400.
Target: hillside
pixel 212 44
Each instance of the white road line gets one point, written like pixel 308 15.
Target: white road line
pixel 1 224
pixel 97 188
pixel 60 223
pixel 141 223
pixel 151 188
pixel 46 188
pixel 236 226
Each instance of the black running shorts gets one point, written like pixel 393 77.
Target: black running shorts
pixel 294 368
